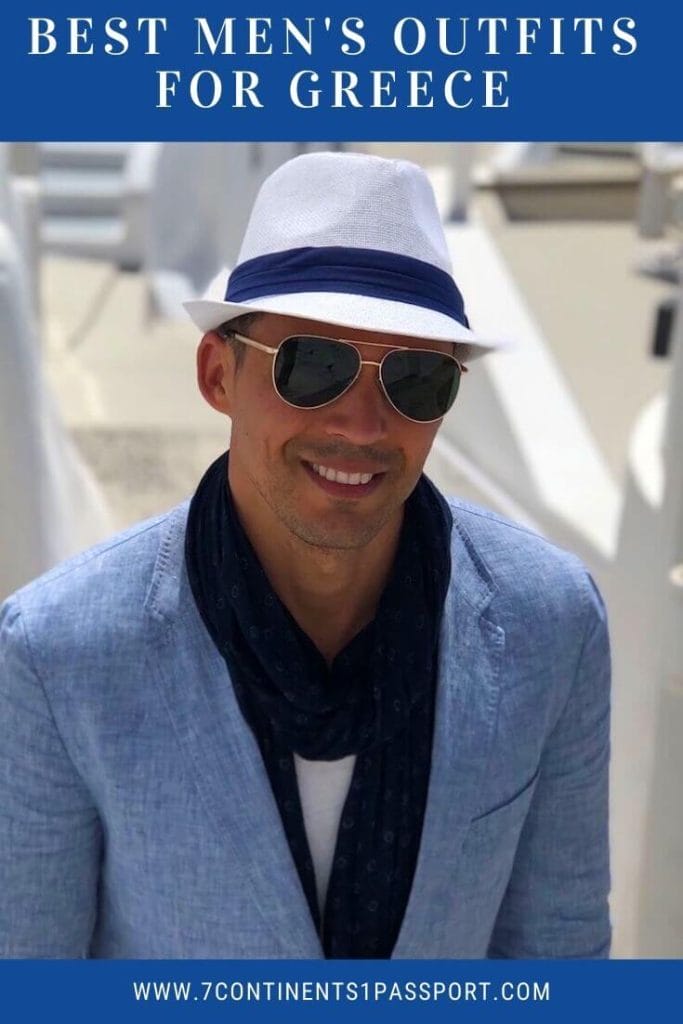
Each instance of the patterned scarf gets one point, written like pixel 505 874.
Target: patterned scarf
pixel 376 701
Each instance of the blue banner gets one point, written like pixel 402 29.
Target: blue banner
pixel 428 71
pixel 340 991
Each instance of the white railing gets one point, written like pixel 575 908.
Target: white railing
pixel 50 506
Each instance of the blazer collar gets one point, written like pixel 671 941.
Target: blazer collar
pixel 195 686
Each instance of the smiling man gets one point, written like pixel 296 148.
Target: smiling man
pixel 321 491
pixel 320 710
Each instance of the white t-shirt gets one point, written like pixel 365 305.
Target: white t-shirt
pixel 323 786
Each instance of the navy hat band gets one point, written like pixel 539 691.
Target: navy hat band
pixel 371 272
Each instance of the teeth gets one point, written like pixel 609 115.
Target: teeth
pixel 338 477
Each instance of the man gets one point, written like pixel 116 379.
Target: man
pixel 323 712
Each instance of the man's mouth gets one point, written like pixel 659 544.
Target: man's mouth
pixel 343 483
pixel 338 476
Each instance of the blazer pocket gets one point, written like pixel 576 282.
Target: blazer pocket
pixel 519 802
pixel 487 857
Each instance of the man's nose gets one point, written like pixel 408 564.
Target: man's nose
pixel 362 414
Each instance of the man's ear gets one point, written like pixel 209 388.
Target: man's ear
pixel 216 372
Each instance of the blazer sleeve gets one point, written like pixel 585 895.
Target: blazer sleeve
pixel 556 902
pixel 50 835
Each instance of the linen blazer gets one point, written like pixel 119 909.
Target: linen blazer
pixel 136 817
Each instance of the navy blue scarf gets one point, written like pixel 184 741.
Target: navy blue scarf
pixel 376 701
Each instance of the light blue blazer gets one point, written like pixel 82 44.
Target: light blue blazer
pixel 136 817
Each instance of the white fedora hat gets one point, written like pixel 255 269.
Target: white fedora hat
pixel 349 239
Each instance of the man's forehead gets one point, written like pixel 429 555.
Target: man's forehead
pixel 275 327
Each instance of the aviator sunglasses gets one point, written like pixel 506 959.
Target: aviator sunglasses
pixel 310 372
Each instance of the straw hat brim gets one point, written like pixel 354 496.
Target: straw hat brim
pixel 341 309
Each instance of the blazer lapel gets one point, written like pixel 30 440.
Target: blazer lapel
pixel 467 697
pixel 221 750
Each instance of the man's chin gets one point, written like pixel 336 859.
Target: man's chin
pixel 336 540
pixel 338 532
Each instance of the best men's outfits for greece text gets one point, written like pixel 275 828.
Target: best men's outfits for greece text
pixel 137 819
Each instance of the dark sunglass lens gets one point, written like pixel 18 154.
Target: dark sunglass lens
pixel 422 385
pixel 313 371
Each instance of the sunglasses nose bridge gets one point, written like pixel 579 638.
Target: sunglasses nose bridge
pixel 359 414
pixel 360 363
pixel 376 375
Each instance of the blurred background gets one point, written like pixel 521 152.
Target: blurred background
pixel 572 252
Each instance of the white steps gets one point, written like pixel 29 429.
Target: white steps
pixel 82 200
pixel 91 237
pixel 84 154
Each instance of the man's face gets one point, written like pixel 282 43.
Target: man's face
pixel 285 457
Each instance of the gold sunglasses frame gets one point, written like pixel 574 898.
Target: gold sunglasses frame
pixel 250 342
